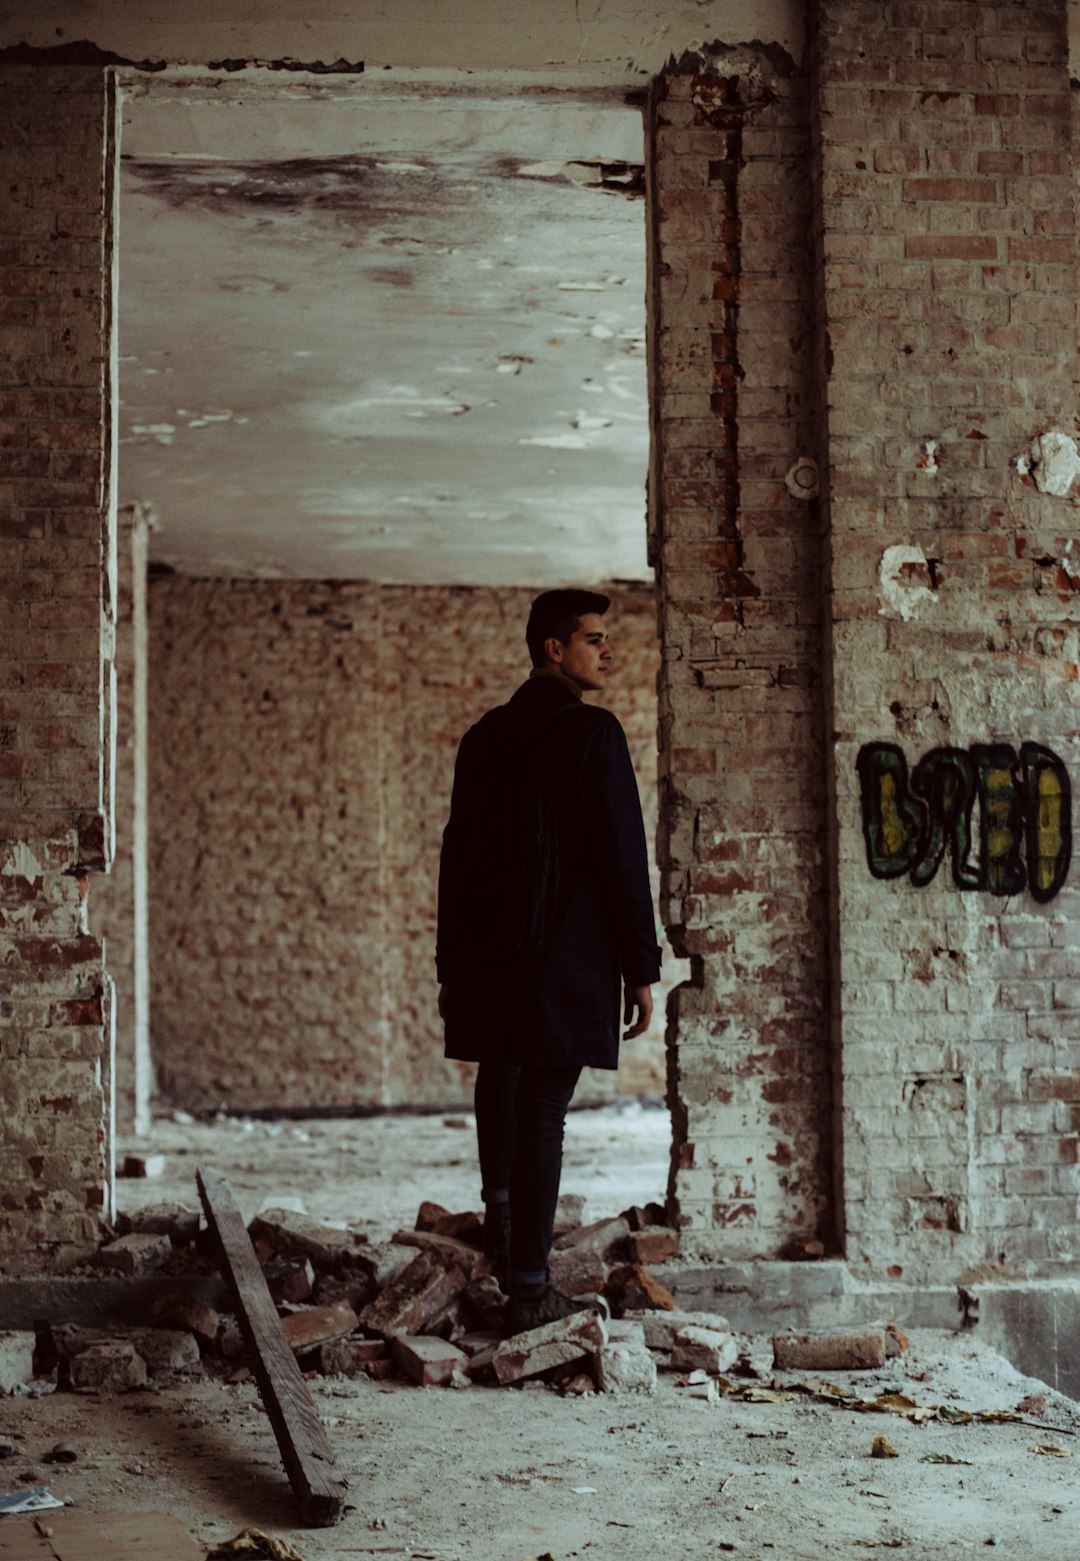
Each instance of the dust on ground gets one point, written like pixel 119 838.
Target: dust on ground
pixel 501 1474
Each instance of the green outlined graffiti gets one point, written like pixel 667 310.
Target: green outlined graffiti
pixel 1004 822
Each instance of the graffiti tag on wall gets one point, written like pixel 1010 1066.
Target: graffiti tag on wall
pixel 1004 822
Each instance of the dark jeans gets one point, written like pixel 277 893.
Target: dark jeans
pixel 520 1114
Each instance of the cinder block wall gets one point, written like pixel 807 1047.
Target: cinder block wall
pixel 54 531
pixel 948 344
pixel 736 548
pixel 302 741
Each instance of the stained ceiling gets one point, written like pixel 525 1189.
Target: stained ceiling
pixel 386 334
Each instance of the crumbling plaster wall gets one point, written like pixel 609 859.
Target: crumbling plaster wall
pixel 736 547
pixel 947 312
pixel 302 746
pixel 55 632
pixel 565 40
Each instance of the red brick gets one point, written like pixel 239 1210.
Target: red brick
pixel 941 246
pixel 956 190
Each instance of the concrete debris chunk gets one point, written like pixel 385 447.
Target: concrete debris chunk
pixel 480 1367
pixel 427 1361
pixel 606 1238
pixel 16 1359
pixel 316 1325
pixel 108 1368
pixel 649 1216
pixel 632 1288
pixel 625 1367
pixel 351 1357
pixel 163 1351
pixel 468 1226
pixel 661 1328
pixel 290 1279
pixel 451 1253
pixel 383 1261
pixel 352 1285
pixel 569 1213
pixel 416 1295
pixel 477 1341
pixel 134 1254
pixel 654 1244
pixel 703 1349
pixel 166 1351
pixel 451 1322
pixel 179 1310
pixel 429 1214
pixel 849 1351
pixel 292 1234
pixel 577 1271
pixel 174 1220
pixel 539 1349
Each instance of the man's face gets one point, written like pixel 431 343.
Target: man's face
pixel 587 658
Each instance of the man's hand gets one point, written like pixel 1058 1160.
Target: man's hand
pixel 443 996
pixel 637 998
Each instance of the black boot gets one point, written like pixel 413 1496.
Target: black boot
pixel 544 1305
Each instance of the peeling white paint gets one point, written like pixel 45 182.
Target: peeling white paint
pixel 1053 460
pixel 904 596
pixel 22 863
pixel 929 463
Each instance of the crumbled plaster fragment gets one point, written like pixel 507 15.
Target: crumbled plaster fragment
pixel 901 587
pixel 927 461
pixel 1053 462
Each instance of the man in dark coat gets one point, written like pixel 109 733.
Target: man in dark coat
pixel 546 926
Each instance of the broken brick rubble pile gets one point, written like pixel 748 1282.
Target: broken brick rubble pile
pixel 420 1304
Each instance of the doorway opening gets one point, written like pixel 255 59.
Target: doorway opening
pixel 382 379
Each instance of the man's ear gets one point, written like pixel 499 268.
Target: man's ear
pixel 553 649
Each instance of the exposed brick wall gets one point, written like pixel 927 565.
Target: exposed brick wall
pixel 302 745
pixel 742 769
pixel 54 503
pixel 948 335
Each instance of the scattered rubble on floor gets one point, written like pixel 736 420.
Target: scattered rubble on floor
pixel 419 1305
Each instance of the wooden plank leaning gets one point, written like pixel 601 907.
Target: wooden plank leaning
pixel 301 1435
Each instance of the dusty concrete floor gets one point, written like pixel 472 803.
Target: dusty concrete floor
pixel 490 1474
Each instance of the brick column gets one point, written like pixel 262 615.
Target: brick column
pixel 947 345
pixel 736 552
pixel 55 493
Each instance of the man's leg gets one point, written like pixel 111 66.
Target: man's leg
pixel 495 1098
pixel 543 1095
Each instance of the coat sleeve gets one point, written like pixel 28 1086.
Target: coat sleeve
pixel 617 840
pixel 455 910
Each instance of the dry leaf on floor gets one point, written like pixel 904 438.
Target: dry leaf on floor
pixel 253 1542
pixel 1034 1404
pixel 882 1449
pixel 1052 1452
pixel 954 1416
pixel 945 1458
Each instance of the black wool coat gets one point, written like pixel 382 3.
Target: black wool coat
pixel 561 1006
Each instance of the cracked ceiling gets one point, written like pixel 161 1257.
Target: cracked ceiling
pixel 392 335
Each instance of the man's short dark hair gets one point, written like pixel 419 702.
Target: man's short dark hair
pixel 557 615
